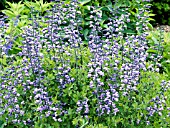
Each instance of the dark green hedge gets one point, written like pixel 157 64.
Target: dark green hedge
pixel 162 10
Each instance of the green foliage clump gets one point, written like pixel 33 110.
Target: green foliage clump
pixel 159 49
pixel 2 2
pixel 162 10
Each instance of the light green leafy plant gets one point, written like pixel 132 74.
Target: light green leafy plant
pixel 14 10
pixel 39 6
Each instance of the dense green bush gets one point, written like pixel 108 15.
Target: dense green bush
pixel 2 2
pixel 162 10
pixel 160 48
pixel 2 5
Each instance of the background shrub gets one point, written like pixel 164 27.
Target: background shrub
pixel 162 10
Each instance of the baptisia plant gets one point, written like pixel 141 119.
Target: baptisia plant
pixel 56 81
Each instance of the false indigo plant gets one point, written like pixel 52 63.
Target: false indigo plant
pixel 54 80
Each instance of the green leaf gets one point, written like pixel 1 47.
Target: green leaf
pixel 156 124
pixel 3 61
pixel 150 26
pixel 151 14
pixel 118 120
pixel 118 4
pixel 152 51
pixel 2 124
pixel 21 9
pixel 85 32
pixel 155 40
pixel 85 42
pixel 88 18
pixel 82 2
pixel 45 6
pixel 10 4
pixel 56 124
pixel 104 8
pixel 87 7
pixel 9 13
pixel 75 121
pixel 167 61
pixel 28 4
pixel 70 111
pixel 87 22
pixel 105 26
pixel 101 23
pixel 96 3
pixel 129 31
pixel 41 2
pixel 151 19
pixel 133 13
pixel 84 124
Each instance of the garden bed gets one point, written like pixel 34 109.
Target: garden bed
pixel 79 65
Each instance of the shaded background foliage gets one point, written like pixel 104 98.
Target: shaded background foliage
pixel 161 8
